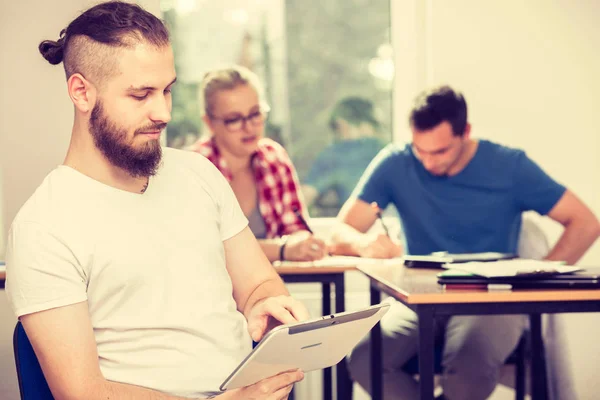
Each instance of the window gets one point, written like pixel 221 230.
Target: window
pixel 327 67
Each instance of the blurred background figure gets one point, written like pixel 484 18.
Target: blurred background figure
pixel 357 138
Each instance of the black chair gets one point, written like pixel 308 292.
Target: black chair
pixel 517 358
pixel 32 383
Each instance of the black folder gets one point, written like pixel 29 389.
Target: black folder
pixel 588 278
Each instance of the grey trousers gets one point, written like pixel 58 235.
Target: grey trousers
pixel 475 347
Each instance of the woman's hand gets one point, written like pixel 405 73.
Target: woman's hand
pixel 303 246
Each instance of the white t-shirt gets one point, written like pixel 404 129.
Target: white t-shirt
pixel 151 267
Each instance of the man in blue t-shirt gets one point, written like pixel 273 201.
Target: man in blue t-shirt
pixel 462 195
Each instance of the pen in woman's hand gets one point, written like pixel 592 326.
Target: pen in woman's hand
pixel 302 220
pixel 378 212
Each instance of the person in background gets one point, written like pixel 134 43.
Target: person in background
pixel 258 169
pixel 131 267
pixel 462 195
pixel 337 168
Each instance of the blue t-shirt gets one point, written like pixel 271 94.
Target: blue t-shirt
pixel 477 210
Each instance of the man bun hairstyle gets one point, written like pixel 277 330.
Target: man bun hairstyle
pixel 52 50
pixel 88 39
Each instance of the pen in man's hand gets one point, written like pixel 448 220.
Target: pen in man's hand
pixel 302 220
pixel 378 212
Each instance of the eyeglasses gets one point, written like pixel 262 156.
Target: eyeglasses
pixel 235 124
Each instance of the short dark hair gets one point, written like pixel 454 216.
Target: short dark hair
pixel 434 106
pixel 355 110
pixel 114 24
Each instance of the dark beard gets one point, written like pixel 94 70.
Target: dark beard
pixel 112 142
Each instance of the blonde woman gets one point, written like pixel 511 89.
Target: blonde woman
pixel 259 169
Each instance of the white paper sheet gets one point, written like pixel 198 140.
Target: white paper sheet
pixel 507 268
pixel 340 261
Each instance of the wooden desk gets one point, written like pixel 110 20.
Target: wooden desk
pixel 327 276
pixel 419 290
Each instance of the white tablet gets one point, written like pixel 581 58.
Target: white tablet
pixel 309 345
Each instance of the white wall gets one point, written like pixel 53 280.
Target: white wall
pixel 2 244
pixel 36 116
pixel 529 71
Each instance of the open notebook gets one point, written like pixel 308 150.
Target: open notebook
pixel 339 261
pixel 438 259
pixel 516 267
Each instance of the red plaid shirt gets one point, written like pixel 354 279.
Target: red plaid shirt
pixel 276 182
